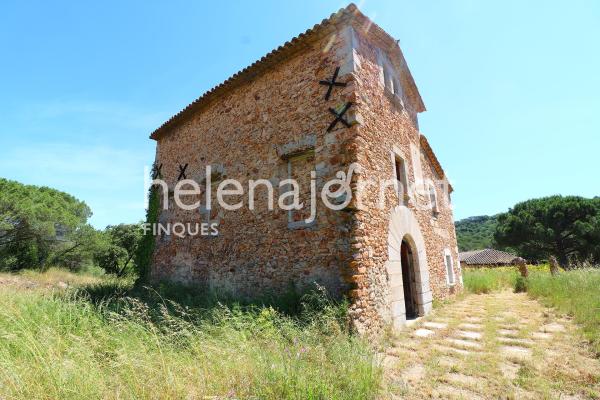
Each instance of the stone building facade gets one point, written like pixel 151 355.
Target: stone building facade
pixel 337 97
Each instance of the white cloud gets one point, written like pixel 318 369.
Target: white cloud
pixel 94 150
pixel 96 112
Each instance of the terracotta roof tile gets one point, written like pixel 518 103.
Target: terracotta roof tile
pixel 487 257
pixel 436 164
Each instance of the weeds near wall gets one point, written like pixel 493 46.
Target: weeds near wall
pixel 146 246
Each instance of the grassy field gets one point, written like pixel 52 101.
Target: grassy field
pixel 71 336
pixel 487 280
pixel 66 336
pixel 575 293
pixel 53 277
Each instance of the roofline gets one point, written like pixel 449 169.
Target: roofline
pixel 436 164
pixel 284 51
pixel 471 257
pixel 258 67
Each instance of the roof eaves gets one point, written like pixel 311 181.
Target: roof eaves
pixel 436 164
pixel 487 257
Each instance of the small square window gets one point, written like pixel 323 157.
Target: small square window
pixel 214 215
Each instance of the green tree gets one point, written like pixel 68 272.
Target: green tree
pixel 80 248
pixel 593 237
pixel 35 222
pixel 476 233
pixel 564 227
pixel 117 255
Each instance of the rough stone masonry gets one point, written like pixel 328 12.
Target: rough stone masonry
pixel 391 253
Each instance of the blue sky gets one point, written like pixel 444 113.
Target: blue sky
pixel 512 88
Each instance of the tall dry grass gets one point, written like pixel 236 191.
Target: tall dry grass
pixel 486 280
pixel 109 342
pixel 576 293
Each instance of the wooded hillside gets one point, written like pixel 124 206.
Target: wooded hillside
pixel 475 233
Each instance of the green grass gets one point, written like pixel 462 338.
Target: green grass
pixel 576 293
pixel 486 280
pixel 54 275
pixel 111 341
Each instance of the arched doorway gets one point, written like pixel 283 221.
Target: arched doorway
pixel 407 270
pixel 409 281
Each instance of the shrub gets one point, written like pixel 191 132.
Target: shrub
pixel 145 249
pixel 521 284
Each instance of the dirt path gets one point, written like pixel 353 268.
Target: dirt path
pixel 495 346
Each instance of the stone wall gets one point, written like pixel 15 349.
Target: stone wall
pixel 274 126
pixel 252 133
pixel 388 126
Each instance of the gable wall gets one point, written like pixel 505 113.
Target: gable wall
pixel 243 134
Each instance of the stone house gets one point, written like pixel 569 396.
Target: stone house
pixel 336 96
